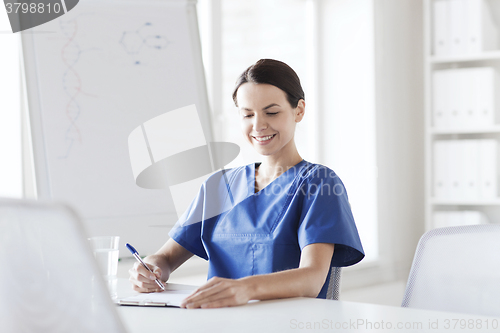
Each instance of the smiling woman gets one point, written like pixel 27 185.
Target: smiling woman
pixel 272 229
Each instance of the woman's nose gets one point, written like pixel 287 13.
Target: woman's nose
pixel 259 123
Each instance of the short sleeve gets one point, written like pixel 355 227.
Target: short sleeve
pixel 326 217
pixel 187 230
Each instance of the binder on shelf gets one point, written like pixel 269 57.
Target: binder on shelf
pixel 440 99
pixel 441 40
pixel 457 16
pixel 469 96
pixel 455 170
pixel 481 33
pixel 469 153
pixel 488 173
pixel 463 27
pixel 441 178
pixel 461 94
pixel 443 219
pixel 484 85
pixel 440 219
pixel 474 217
pixel 465 98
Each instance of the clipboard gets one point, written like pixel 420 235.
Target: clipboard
pixel 167 298
pixel 144 303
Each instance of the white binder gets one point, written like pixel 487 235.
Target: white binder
pixel 480 32
pixel 440 99
pixel 443 219
pixel 455 167
pixel 440 219
pixel 441 180
pixel 457 17
pixel 484 85
pixel 469 151
pixel 441 31
pixel 456 98
pixel 469 93
pixel 471 217
pixel 488 156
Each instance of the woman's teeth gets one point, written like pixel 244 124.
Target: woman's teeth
pixel 265 138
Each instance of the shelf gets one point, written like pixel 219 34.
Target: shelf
pixel 491 55
pixel 453 202
pixel 484 130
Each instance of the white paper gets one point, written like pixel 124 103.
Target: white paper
pixel 168 297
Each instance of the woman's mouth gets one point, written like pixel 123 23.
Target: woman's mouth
pixel 264 139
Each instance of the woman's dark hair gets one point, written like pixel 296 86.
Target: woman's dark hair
pixel 276 73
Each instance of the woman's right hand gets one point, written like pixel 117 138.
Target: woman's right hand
pixel 143 280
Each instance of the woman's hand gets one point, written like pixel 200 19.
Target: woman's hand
pixel 143 280
pixel 218 292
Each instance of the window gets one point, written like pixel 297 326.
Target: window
pixel 330 46
pixel 11 184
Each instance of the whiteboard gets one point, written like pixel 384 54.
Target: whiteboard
pixel 92 76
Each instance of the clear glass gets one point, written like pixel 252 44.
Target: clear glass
pixel 106 252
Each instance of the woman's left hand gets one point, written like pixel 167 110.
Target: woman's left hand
pixel 218 292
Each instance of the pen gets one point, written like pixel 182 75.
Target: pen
pixel 136 255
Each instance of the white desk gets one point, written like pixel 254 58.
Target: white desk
pixel 301 315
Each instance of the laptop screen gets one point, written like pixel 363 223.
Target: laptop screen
pixel 50 281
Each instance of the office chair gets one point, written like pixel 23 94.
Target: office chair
pixel 456 269
pixel 333 290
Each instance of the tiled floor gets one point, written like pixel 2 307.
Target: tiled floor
pixel 193 272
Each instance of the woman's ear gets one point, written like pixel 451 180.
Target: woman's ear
pixel 300 110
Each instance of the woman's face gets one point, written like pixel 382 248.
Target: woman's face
pixel 267 118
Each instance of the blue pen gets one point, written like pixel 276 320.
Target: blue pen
pixel 136 255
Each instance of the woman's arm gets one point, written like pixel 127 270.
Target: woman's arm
pixel 305 281
pixel 167 259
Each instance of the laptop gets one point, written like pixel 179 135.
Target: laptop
pixel 49 279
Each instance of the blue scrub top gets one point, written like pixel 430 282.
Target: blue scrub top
pixel 243 233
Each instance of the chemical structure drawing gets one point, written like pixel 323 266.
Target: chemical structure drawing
pixel 135 42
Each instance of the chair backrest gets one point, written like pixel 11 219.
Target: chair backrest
pixel 49 280
pixel 333 290
pixel 457 269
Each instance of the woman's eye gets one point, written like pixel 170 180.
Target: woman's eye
pixel 248 116
pixel 272 113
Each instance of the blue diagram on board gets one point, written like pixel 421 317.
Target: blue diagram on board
pixel 134 42
pixel 72 85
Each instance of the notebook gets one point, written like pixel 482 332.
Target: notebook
pixel 50 281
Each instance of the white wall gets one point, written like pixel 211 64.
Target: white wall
pixel 400 129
